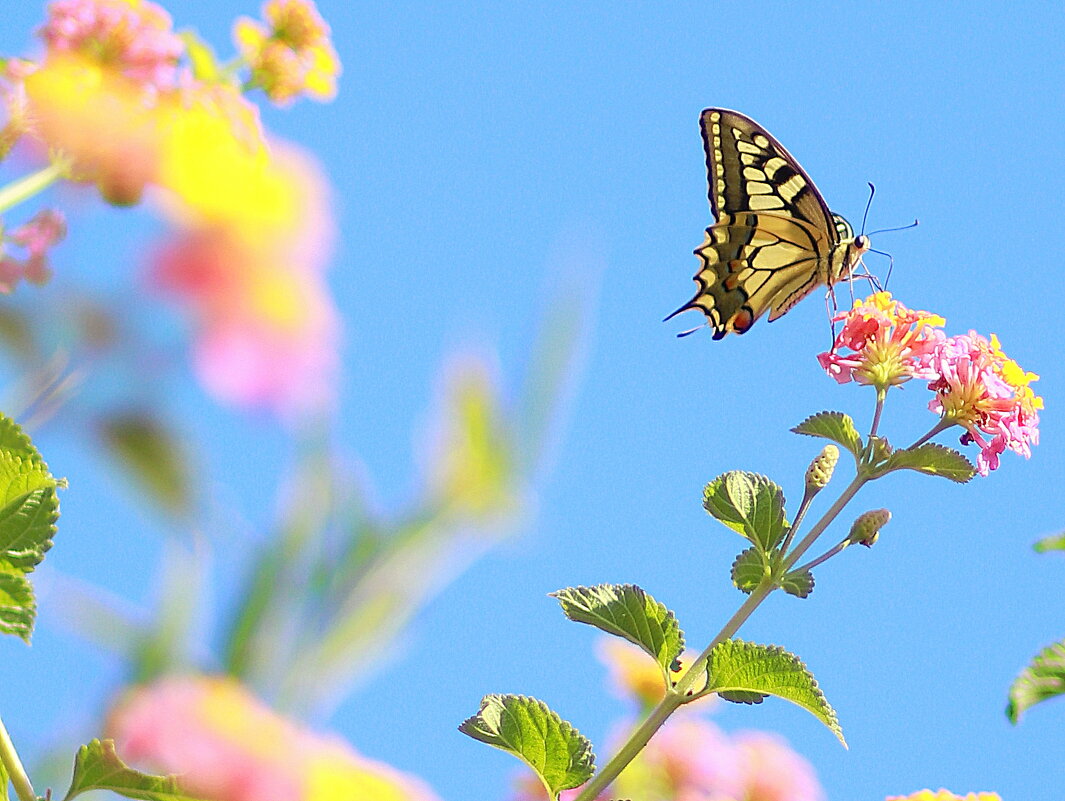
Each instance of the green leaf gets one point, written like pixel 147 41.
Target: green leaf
pixel 528 729
pixel 835 426
pixel 1044 678
pixel 750 567
pixel 29 509
pixel 741 670
pixel 18 607
pixel 152 457
pixel 625 610
pixel 749 504
pixel 799 583
pixel 1055 542
pixel 931 459
pixel 97 767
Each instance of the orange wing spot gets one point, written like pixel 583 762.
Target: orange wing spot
pixel 742 321
pixel 735 266
pixel 732 280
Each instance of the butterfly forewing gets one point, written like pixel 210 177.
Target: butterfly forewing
pixel 773 240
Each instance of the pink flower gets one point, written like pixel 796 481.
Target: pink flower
pixel 37 236
pixel 890 344
pixel 946 795
pixel 229 746
pixel 771 771
pixel 133 37
pixel 979 388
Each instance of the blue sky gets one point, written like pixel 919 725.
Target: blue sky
pixel 482 153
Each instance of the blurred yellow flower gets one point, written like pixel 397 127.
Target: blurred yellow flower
pixel 291 54
pixel 229 746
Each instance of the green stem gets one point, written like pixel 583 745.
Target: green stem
pixel 24 188
pixel 13 765
pixel 881 396
pixel 823 523
pixel 942 425
pixel 835 549
pixel 799 515
pixel 673 699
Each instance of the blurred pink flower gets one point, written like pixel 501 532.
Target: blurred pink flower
pixel 890 343
pixel 945 795
pixel 37 236
pixel 267 329
pixel 771 771
pixel 229 746
pixel 979 388
pixel 133 37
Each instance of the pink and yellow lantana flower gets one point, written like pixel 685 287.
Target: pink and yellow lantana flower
pixel 229 746
pixel 945 795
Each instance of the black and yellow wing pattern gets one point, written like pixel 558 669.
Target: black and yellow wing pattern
pixel 773 239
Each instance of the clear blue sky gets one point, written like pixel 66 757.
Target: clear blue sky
pixel 479 151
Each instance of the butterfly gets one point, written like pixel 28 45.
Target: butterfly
pixel 773 239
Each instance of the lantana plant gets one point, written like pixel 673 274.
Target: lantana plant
pixel 883 345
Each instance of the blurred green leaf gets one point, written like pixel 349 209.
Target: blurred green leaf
pixel 1044 678
pixel 741 671
pixel 1055 542
pixel 525 727
pixel 151 457
pixel 97 767
pixel 749 504
pixel 835 426
pixel 627 611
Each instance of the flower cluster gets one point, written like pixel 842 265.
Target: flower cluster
pixel 945 795
pixel 976 385
pixel 228 746
pixel 111 104
pixel 979 388
pixel 890 344
pixel 291 54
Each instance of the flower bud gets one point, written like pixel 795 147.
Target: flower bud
pixel 866 528
pixel 819 473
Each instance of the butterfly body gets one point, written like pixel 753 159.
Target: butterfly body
pixel 773 239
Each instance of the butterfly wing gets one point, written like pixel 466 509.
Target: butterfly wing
pixel 774 238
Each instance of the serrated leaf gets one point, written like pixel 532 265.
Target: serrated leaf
pixel 749 504
pixel 525 727
pixel 835 426
pixel 97 767
pixel 799 583
pixel 932 459
pixel 18 607
pixel 742 667
pixel 1055 542
pixel 749 569
pixel 29 509
pixel 627 611
pixel 1044 678
pixel 152 457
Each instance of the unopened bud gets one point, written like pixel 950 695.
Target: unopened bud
pixel 866 529
pixel 819 473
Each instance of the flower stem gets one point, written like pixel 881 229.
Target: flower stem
pixel 24 188
pixel 835 549
pixel 819 527
pixel 13 765
pixel 881 396
pixel 942 425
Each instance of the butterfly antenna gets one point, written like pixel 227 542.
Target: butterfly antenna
pixel 914 224
pixel 868 203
